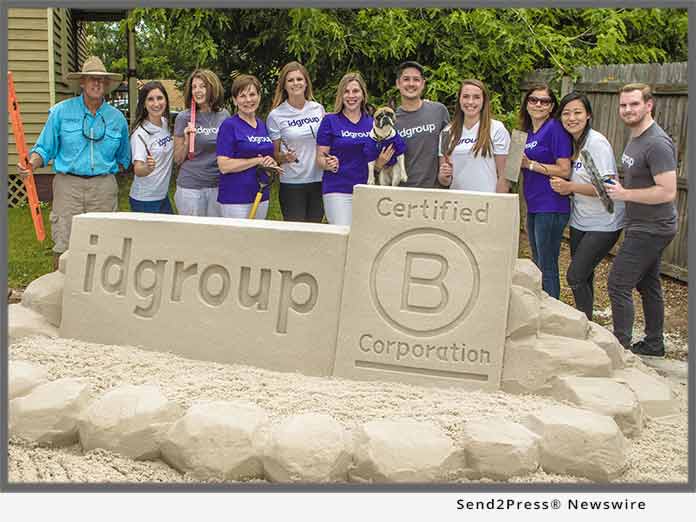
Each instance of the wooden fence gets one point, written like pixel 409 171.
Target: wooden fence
pixel 669 84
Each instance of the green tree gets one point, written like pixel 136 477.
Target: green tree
pixel 498 46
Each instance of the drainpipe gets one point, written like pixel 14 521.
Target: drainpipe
pixel 51 59
pixel 132 78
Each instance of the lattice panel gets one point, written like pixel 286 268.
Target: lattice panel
pixel 16 194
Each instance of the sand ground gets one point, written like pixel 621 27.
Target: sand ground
pixel 658 455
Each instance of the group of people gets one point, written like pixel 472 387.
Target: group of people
pixel 558 191
pixel 224 160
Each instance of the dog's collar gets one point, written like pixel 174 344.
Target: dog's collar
pixel 377 138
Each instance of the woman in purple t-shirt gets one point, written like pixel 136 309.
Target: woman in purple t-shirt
pixel 340 140
pixel 243 145
pixel 547 155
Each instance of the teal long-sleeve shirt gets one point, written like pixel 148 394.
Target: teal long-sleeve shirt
pixel 65 139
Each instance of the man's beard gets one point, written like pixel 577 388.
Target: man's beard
pixel 637 123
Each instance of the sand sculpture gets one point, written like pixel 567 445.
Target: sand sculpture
pixel 425 289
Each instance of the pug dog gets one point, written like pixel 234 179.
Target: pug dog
pixel 383 133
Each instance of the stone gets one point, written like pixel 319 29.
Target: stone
pixel 604 396
pixel 528 275
pixel 309 447
pixel 63 262
pixel 23 322
pixel 607 342
pixel 215 441
pixel 404 451
pixel 427 286
pixel 672 369
pixel 532 362
pixel 499 448
pixel 50 412
pixel 23 377
pixel 236 291
pixel 654 392
pixel 128 419
pixel 523 312
pixel 631 360
pixel 558 318
pixel 579 443
pixel 44 295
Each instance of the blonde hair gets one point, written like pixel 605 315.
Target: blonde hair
pixel 347 78
pixel 644 89
pixel 281 94
pixel 213 87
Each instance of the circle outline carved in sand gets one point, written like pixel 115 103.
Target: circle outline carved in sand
pixel 468 304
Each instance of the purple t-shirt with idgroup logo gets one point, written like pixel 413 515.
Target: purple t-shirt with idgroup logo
pixel 238 139
pixel 545 146
pixel 346 140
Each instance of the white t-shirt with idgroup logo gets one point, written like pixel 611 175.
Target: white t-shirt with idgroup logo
pixel 588 212
pixel 297 128
pixel 155 185
pixel 477 173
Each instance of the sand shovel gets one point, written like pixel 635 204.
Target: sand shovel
pixel 273 173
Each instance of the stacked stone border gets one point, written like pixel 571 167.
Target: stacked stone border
pixel 605 395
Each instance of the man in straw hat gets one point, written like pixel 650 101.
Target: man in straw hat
pixel 87 140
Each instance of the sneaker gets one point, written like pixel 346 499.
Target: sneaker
pixel 642 348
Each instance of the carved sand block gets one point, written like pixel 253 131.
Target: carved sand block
pixel 427 286
pixel 260 293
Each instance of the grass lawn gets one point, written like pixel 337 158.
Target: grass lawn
pixel 29 259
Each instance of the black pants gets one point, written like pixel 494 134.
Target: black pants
pixel 637 265
pixel 301 202
pixel 587 249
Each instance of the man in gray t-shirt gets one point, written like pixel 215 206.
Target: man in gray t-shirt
pixel 649 190
pixel 419 123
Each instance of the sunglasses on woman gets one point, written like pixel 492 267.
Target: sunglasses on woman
pixel 545 102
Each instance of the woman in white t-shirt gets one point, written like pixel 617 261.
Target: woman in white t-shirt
pixel 292 125
pixel 152 150
pixel 474 147
pixel 593 229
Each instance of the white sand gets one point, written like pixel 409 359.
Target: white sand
pixel 658 455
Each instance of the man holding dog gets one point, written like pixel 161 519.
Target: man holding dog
pixel 650 188
pixel 419 123
pixel 87 140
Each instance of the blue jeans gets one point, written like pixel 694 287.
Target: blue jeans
pixel 545 231
pixel 162 206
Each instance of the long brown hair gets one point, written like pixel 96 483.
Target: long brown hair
pixel 213 86
pixel 483 145
pixel 281 94
pixel 141 113
pixel 347 78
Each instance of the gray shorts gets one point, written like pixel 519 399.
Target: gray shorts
pixel 73 195
pixel 197 202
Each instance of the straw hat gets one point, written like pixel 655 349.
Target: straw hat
pixel 93 66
